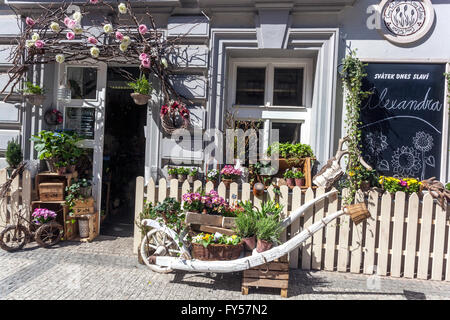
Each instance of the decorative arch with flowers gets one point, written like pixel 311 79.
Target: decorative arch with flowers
pixel 123 37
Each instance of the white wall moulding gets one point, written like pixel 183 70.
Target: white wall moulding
pixel 190 57
pixel 9 113
pixel 271 26
pixel 191 26
pixel 190 86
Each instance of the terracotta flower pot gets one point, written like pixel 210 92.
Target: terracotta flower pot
pixel 191 179
pixel 290 182
pixel 227 182
pixel 263 245
pixel 300 182
pixel 249 243
pixel 140 99
pixel 258 189
pixel 172 176
pixel 61 170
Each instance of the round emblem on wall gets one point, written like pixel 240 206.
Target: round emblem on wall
pixel 406 21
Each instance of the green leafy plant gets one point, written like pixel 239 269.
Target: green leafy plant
pixel 288 174
pixel 61 147
pixel 361 174
pixel 298 174
pixel 352 75
pixel 183 171
pixel 31 88
pixel 14 154
pixel 447 186
pixel 167 212
pixel 193 172
pixel 215 238
pixel 75 192
pixel 288 150
pixel 141 86
pixel 172 171
pixel 246 222
pixel 268 229
pixel 392 185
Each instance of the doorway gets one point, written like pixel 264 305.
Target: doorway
pixel 123 152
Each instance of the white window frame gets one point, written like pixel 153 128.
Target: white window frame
pixel 268 112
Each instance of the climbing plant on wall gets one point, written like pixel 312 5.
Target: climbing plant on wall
pixel 352 74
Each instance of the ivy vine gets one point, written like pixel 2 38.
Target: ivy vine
pixel 352 74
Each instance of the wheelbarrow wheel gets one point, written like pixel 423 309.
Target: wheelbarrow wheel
pixel 157 242
pixel 49 234
pixel 14 237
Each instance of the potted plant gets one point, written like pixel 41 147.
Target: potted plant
pixel 34 94
pixel 268 232
pixel 192 175
pixel 230 174
pixel 290 154
pixel 172 172
pixel 207 203
pixel 213 176
pixel 142 90
pixel 13 155
pixel 246 226
pixel 182 174
pixel 299 178
pixel 211 247
pixel 289 177
pixel 42 215
pixel 365 179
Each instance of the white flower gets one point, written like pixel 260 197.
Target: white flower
pixel 29 43
pixel 126 40
pixel 55 26
pixel 108 28
pixel 78 29
pixel 164 62
pixel 123 47
pixel 122 8
pixel 59 58
pixel 95 52
pixel 77 16
pixel 35 37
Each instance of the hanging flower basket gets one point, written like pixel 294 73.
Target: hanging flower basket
pixel 174 116
pixel 140 99
pixel 35 99
pixel 53 117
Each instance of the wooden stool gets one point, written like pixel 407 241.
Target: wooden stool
pixel 271 275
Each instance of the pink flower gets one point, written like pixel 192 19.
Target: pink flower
pixel 70 35
pixel 39 44
pixel 94 1
pixel 92 40
pixel 143 29
pixel 30 22
pixel 66 21
pixel 119 35
pixel 71 24
pixel 143 56
pixel 145 63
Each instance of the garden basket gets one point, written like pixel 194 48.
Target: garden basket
pixel 217 251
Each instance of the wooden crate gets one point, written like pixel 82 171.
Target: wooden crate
pixel 51 191
pixel 82 207
pixel 54 177
pixel 306 169
pixel 272 275
pixel 93 226
pixel 211 223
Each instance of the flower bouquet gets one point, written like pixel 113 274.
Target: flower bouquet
pixel 42 215
pixel 392 185
pixel 174 115
pixel 216 246
pixel 208 203
pixel 213 176
pixel 230 174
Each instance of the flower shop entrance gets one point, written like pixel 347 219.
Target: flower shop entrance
pixel 123 151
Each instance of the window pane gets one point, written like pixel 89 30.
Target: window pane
pixel 250 86
pixel 288 87
pixel 81 120
pixel 82 82
pixel 288 132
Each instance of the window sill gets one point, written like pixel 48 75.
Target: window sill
pixel 275 108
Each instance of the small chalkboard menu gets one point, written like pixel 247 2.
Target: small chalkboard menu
pixel 402 120
pixel 81 120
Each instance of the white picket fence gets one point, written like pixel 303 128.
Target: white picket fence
pixel 18 198
pixel 407 236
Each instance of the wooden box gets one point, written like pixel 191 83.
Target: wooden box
pixel 85 206
pixel 271 275
pixel 51 191
pixel 211 223
pixel 54 177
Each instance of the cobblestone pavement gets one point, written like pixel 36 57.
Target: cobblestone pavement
pixel 107 269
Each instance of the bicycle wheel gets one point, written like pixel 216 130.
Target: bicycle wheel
pixel 14 237
pixel 49 234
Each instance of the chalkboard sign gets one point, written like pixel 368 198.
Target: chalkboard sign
pixel 402 120
pixel 81 120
